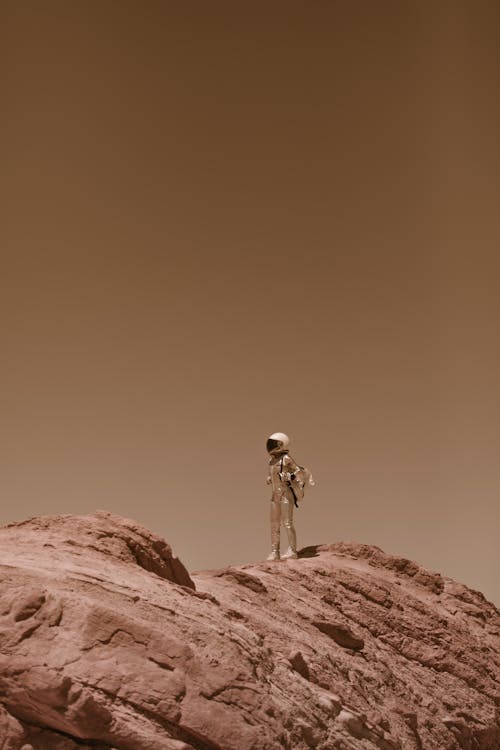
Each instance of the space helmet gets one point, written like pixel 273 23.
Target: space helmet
pixel 278 442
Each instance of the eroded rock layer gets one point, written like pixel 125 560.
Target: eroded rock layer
pixel 106 643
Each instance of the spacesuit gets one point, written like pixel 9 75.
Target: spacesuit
pixel 287 480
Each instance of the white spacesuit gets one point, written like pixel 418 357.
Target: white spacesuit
pixel 287 480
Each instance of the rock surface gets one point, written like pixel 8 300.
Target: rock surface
pixel 105 643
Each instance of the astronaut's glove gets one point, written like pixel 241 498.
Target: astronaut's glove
pixel 268 480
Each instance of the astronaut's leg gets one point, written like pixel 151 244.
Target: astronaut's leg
pixel 290 528
pixel 275 528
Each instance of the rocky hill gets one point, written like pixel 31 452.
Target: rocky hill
pixel 106 642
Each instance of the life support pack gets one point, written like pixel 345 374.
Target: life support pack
pixel 297 481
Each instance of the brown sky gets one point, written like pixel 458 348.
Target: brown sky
pixel 224 219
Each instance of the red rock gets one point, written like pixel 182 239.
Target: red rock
pixel 106 644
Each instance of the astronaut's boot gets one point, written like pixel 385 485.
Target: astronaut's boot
pixel 275 555
pixel 292 541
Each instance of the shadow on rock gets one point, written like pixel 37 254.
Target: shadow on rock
pixel 312 551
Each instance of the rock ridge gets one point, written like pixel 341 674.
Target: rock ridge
pixel 107 642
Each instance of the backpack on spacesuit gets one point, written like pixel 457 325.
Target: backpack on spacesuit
pixel 298 482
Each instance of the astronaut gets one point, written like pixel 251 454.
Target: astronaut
pixel 287 480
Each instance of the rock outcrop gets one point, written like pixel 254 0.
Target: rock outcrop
pixel 107 642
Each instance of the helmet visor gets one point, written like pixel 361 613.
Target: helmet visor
pixel 271 444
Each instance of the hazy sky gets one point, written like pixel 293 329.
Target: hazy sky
pixel 224 219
